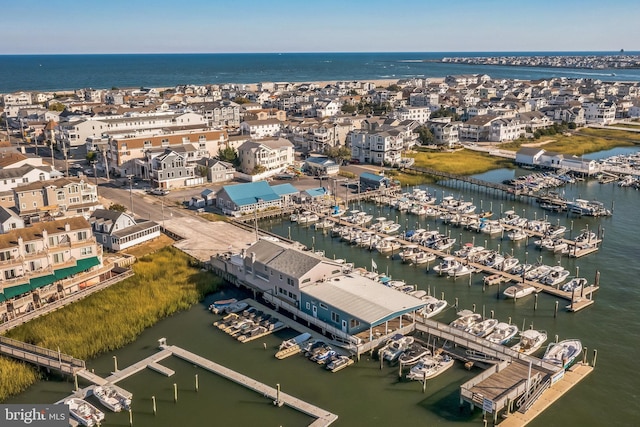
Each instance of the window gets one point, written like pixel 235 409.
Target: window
pixel 53 240
pixel 30 248
pixel 86 251
pixel 5 256
pixel 308 306
pixel 335 317
pixel 308 279
pixel 58 258
pixel 82 235
pixel 354 323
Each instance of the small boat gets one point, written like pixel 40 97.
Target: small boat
pixel 84 412
pixel 483 328
pixel 325 356
pixel 502 333
pixel 306 218
pixel 556 276
pixel 510 263
pixel 433 306
pixel 413 354
pixel 111 398
pixel 530 341
pixel 325 223
pixel 466 320
pixel 460 270
pixel 418 293
pixel 576 284
pixel 448 263
pixel 295 341
pixel 518 291
pixel 395 347
pixel 430 367
pixel 317 347
pixel 253 332
pixel 235 307
pixel 517 235
pixel 563 353
pixel 423 258
pixel 338 363
pixel 220 305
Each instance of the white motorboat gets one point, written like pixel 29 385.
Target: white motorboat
pixel 433 306
pixel 482 328
pixel 413 354
pixel 418 293
pixel 306 218
pixel 111 398
pixel 443 244
pixel 395 347
pixel 494 260
pixel 502 333
pixel 409 253
pixel 325 223
pixel 530 341
pixel 430 367
pixel 510 263
pixel 556 276
pixel 466 320
pixel 84 412
pixel 387 245
pixel 424 257
pixel 563 353
pixel 338 363
pixel 517 235
pixel 575 284
pixel 448 263
pixel 460 270
pixel 518 291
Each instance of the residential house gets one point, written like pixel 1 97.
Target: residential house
pixel 506 129
pixel 217 170
pixel 319 166
pixel 376 147
pixel 445 132
pixel 265 155
pixel 117 231
pixel 9 220
pixel 63 196
pixel 172 168
pixel 41 261
pixel 258 129
pixel 224 114
pixel 418 114
pixel 477 128
pixel 602 113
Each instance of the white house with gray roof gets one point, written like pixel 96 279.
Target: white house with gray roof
pixel 116 231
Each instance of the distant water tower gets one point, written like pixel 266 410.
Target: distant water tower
pixel 621 50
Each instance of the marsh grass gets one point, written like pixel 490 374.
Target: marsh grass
pixel 462 162
pixel 15 377
pixel 164 283
pixel 584 141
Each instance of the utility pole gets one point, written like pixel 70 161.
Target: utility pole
pixel 131 192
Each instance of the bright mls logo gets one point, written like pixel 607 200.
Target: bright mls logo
pixel 34 415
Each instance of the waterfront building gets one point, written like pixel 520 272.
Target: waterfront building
pixel 370 181
pixel 117 231
pixel 250 197
pixel 18 169
pixel 445 132
pixel 602 113
pixel 43 254
pixel 216 170
pixel 58 197
pixel 174 167
pixel 257 129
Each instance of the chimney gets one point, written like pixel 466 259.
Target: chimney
pixel 67 227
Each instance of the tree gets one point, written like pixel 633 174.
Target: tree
pixel 424 135
pixel 257 169
pixel 56 106
pixel 339 154
pixel 117 207
pixel 572 125
pixel 394 88
pixel 241 100
pixel 202 171
pixel 92 156
pixel 445 112
pixel 348 108
pixel 229 155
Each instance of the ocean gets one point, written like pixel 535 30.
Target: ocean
pixel 67 72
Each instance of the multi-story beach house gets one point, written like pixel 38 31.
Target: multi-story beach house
pixel 265 155
pixel 376 147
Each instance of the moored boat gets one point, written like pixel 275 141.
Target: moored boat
pixel 84 412
pixel 519 291
pixel 530 341
pixel 395 347
pixel 466 319
pixel 432 307
pixel 111 398
pixel 502 333
pixel 563 353
pixel 430 367
pixel 413 354
pixel 482 328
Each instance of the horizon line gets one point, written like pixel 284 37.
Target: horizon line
pixel 321 52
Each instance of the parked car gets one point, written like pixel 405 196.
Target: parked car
pixel 159 192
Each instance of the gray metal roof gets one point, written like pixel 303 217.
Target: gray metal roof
pixel 363 298
pixel 291 262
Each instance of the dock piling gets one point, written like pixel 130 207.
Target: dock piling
pixel 115 364
pixel 75 381
pixel 196 382
pixel 130 418
pixel 555 310
pixel 535 302
pixel 175 392
pixel 595 356
pixel 153 402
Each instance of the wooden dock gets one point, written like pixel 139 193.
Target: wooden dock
pixel 40 356
pixel 323 417
pixel 161 369
pixel 570 378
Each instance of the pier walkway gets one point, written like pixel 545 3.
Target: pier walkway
pixel 40 356
pixel 323 417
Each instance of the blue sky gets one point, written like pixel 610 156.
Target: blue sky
pixel 217 26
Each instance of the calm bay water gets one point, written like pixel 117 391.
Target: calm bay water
pixel 58 72
pixel 365 395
